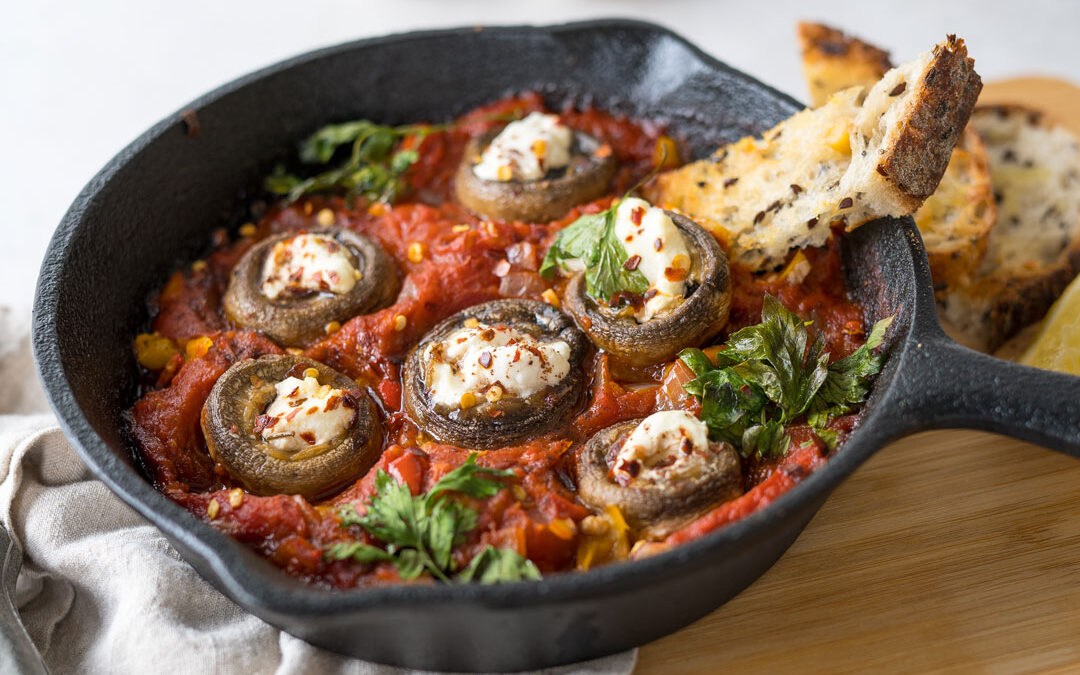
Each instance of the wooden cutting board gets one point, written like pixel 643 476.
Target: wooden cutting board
pixel 950 551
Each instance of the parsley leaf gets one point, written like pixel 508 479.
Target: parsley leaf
pixel 495 565
pixel 591 239
pixel 372 170
pixel 848 380
pixel 767 376
pixel 420 532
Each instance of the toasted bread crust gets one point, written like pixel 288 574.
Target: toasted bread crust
pixel 1013 290
pixel 866 154
pixel 936 116
pixel 833 60
pixel 953 260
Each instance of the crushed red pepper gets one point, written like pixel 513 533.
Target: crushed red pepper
pixel 462 261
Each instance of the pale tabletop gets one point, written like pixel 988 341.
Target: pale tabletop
pixel 950 551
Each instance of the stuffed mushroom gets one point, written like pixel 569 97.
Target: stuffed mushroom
pixel 290 425
pixel 496 374
pixel 291 286
pixel 688 288
pixel 534 170
pixel 661 472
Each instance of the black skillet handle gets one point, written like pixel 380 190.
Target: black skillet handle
pixel 944 385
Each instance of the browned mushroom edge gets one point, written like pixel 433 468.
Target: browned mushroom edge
pixel 585 179
pixel 696 320
pixel 511 419
pixel 297 322
pixel 242 394
pixel 653 510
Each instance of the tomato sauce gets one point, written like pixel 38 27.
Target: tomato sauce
pixel 449 260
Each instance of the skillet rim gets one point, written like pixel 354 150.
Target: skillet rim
pixel 265 589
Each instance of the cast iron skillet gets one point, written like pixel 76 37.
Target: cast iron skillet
pixel 156 202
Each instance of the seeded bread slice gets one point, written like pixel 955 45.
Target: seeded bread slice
pixel 956 220
pixel 832 61
pixel 1034 251
pixel 865 154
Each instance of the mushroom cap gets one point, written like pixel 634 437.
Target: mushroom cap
pixel 243 393
pixel 585 179
pixel 651 509
pixel 695 321
pixel 510 419
pixel 293 322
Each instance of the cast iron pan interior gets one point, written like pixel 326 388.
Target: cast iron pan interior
pixel 153 206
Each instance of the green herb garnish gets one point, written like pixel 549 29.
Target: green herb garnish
pixel 591 239
pixel 373 169
pixel 767 377
pixel 420 532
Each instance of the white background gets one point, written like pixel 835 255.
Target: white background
pixel 80 79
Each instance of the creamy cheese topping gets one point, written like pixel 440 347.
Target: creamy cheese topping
pixel 304 414
pixel 526 149
pixel 308 263
pixel 658 249
pixel 662 445
pixel 493 361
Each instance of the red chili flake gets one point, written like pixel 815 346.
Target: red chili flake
pixel 730 181
pixel 332 403
pixel 485 359
pixel 297 275
pixel 233 429
pixel 881 169
pixel 636 215
pixel 658 244
pixel 650 294
pixel 633 467
pixel 264 422
pixel 632 262
pixel 308 437
pixel 332 246
pixel 846 202
pixel 686 445
pixel 812 223
pixel 674 274
pixel 312 410
pixel 290 416
pixel 293 392
pixel 898 89
pixel 488 334
pixel 333 276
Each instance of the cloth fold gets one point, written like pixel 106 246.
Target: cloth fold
pixel 102 591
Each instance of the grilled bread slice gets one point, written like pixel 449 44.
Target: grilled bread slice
pixel 833 61
pixel 1034 251
pixel 865 154
pixel 956 220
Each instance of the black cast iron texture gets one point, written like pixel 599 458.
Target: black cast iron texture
pixel 155 204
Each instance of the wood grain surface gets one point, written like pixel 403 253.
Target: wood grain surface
pixel 949 551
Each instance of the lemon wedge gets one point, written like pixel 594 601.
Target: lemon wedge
pixel 1057 344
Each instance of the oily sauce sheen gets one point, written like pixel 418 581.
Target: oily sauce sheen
pixel 449 260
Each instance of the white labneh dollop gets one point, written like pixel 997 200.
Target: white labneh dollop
pixel 661 252
pixel 526 149
pixel 472 361
pixel 308 263
pixel 304 414
pixel 660 446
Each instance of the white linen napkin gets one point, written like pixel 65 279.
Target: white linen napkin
pixel 102 591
